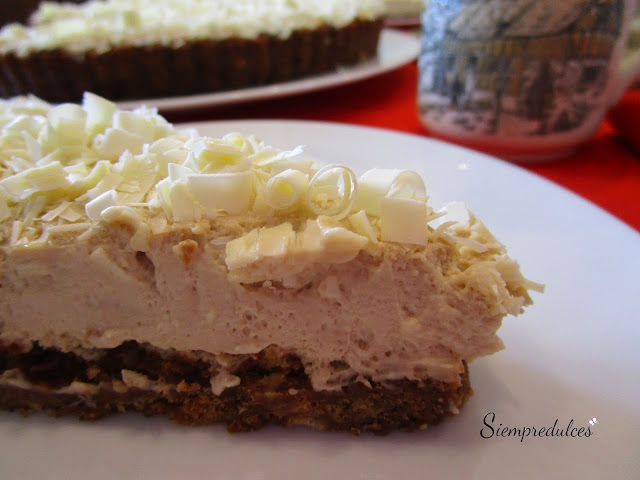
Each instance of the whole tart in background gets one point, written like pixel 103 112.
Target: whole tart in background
pixel 149 49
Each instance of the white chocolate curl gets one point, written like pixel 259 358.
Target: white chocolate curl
pixel 379 183
pixel 67 123
pixel 286 189
pixel 324 191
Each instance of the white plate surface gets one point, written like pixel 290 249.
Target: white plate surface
pixel 571 357
pixel 394 50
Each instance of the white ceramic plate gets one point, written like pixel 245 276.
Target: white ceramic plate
pixel 394 50
pixel 571 357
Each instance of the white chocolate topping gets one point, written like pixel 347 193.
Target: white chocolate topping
pixel 100 25
pixel 63 160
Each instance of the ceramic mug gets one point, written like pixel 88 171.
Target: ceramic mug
pixel 523 79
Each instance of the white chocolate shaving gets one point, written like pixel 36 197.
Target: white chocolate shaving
pixel 75 228
pixel 177 172
pixel 250 258
pixel 33 147
pixel 274 241
pixel 361 225
pixel 242 251
pixel 286 189
pixel 403 220
pixel 109 181
pixel 472 244
pixel 5 211
pixel 70 162
pixel 229 192
pixel 114 142
pixel 183 205
pixel 134 123
pixel 125 215
pixel 99 112
pixel 325 195
pixel 49 177
pixel 67 122
pixel 140 239
pixel 52 214
pixel 95 207
pixel 16 230
pixel 21 123
pixel 378 183
pixel 72 213
pixel 218 155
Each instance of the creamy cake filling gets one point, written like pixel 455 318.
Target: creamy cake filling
pixel 116 226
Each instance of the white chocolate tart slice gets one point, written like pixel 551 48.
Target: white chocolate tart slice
pixel 147 268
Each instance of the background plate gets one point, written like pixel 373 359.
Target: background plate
pixel 395 49
pixel 571 357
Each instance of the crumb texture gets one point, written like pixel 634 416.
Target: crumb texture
pixel 272 389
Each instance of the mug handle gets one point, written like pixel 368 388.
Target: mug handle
pixel 629 66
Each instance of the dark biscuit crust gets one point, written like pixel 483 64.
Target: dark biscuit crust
pixel 202 66
pixel 273 389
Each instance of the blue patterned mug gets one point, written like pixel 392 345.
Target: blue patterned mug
pixel 523 79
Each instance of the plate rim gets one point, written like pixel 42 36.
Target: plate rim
pixel 383 63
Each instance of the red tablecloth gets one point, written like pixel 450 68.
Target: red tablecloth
pixel 603 170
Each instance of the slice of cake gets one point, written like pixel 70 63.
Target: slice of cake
pixel 132 49
pixel 145 268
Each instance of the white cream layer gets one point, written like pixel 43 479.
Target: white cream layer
pixel 389 313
